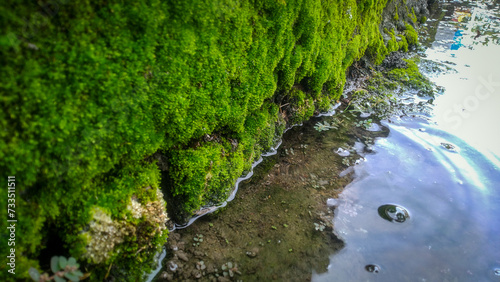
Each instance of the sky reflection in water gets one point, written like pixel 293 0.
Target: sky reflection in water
pixel 445 172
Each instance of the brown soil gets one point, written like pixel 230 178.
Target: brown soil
pixel 268 231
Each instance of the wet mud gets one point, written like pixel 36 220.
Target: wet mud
pixel 279 226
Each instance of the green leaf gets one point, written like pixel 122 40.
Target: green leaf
pixel 59 279
pixel 63 262
pixel 72 277
pixel 72 261
pixel 34 274
pixel 54 264
pixel 77 273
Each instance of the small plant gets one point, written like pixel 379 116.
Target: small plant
pixel 327 126
pixel 322 126
pixel 289 152
pixel 367 123
pixel 319 226
pixel 303 147
pixel 197 240
pixel 201 265
pixel 61 267
pixel 274 227
pixel 229 270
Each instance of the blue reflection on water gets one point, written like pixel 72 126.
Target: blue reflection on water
pixel 453 200
pixel 450 187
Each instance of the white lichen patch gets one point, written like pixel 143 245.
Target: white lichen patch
pixel 155 213
pixel 104 233
pixel 135 208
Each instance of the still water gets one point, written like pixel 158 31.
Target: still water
pixel 426 205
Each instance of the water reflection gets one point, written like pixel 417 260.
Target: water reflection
pixel 445 170
pixel 393 213
pixel 372 268
pixel 454 226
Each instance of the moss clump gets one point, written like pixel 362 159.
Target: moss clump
pixel 412 77
pixel 302 107
pixel 411 35
pixel 392 44
pixel 413 16
pixel 403 44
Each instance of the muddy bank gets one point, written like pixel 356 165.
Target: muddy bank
pixel 279 225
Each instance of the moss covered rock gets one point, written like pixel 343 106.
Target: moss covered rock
pixel 92 93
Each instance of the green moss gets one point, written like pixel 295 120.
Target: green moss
pixel 90 92
pixel 413 16
pixel 206 172
pixel 377 50
pixel 302 106
pixel 392 44
pixel 323 103
pixel 411 35
pixel 403 44
pixel 412 77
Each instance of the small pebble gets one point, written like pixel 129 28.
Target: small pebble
pixel 181 255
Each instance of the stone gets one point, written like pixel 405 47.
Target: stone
pixel 182 256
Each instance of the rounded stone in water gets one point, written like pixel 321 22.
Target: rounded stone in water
pixel 373 268
pixel 393 213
